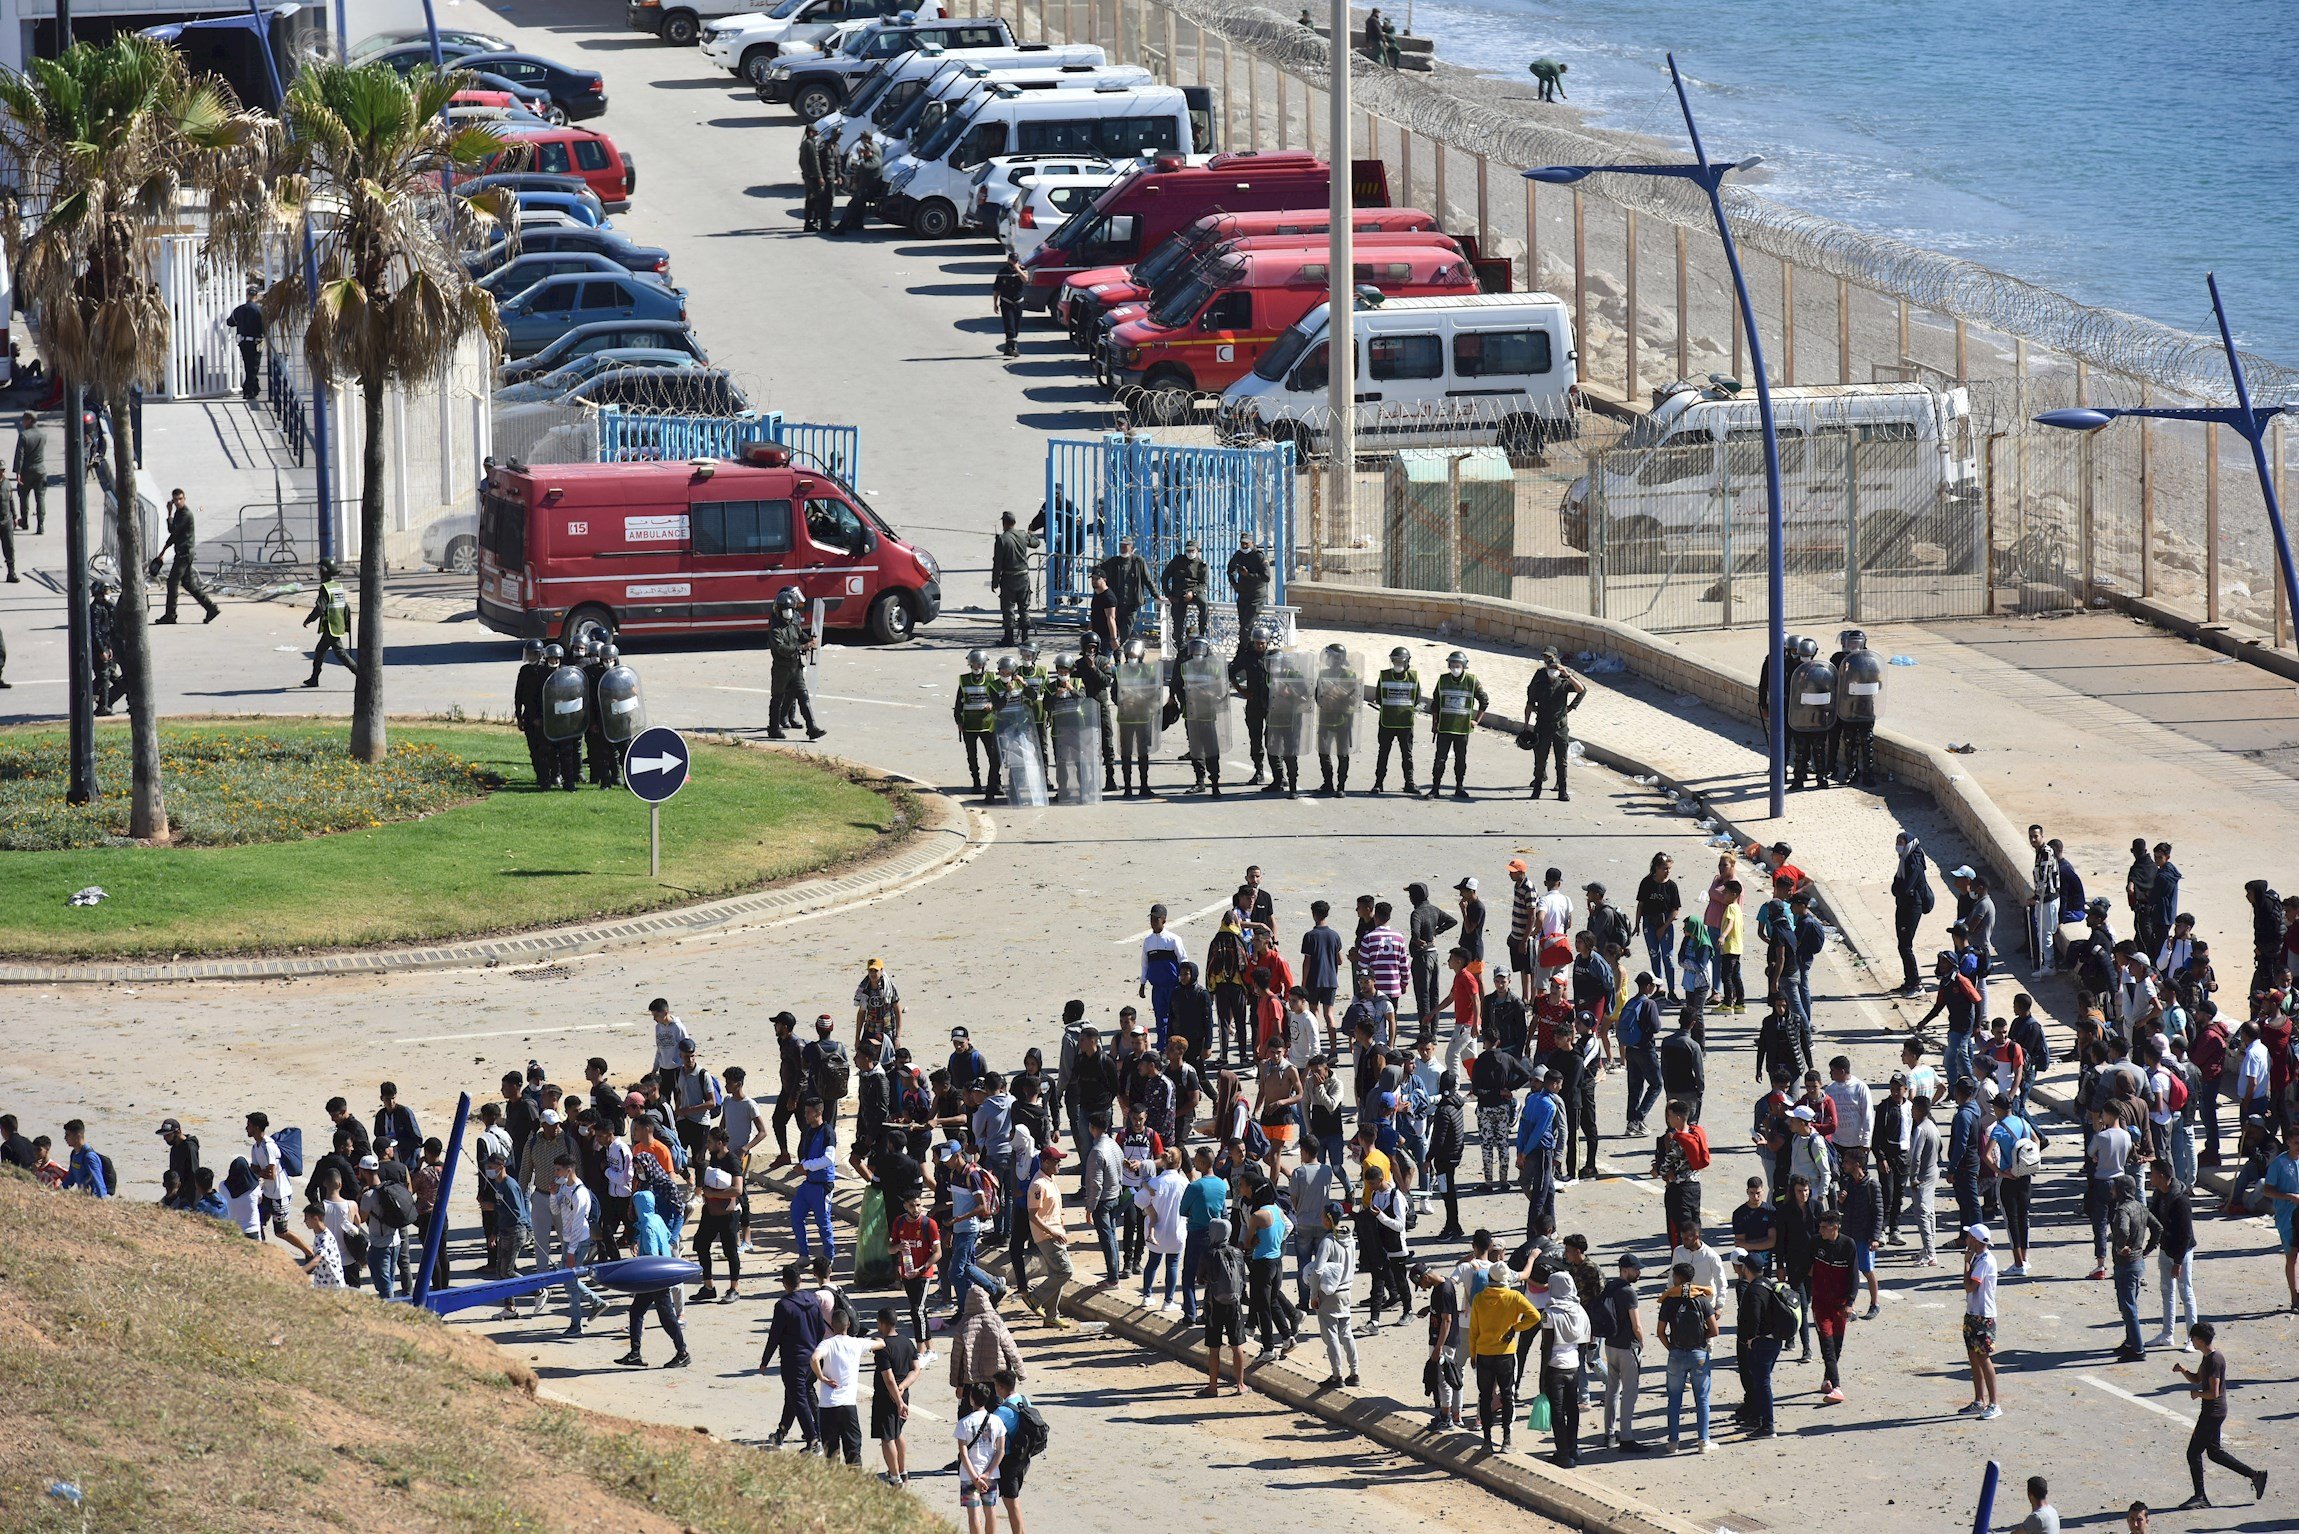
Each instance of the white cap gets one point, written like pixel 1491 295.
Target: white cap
pixel 1806 1115
pixel 550 1115
pixel 1469 884
pixel 369 1164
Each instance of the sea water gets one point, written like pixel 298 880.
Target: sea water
pixel 2114 150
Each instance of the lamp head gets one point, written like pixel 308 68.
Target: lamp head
pixel 1558 175
pixel 2076 419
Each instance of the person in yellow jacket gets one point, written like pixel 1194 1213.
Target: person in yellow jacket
pixel 1496 1316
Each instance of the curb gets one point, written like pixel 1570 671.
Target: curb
pixel 945 836
pixel 1565 1496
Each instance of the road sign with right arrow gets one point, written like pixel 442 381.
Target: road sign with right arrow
pixel 655 765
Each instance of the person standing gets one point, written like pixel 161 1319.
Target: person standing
pixel 1912 901
pixel 1766 1319
pixel 890 1385
pixel 1621 1331
pixel 1249 578
pixel 796 1329
pixel 2127 1236
pixel 1687 1319
pixel 814 175
pixel 1332 1275
pixel 30 466
pixel 182 541
pixel 1010 578
pixel 1456 702
pixel 1396 699
pixel 788 643
pixel 2207 1384
pixel 1550 698
pixel 331 610
pixel 247 323
pixel 1980 1322
pixel 1006 290
pixel 2043 904
pixel 1129 580
pixel 1496 1315
pixel 1183 586
pixel 836 1365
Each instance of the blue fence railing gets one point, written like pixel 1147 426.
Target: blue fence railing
pixel 1098 492
pixel 627 436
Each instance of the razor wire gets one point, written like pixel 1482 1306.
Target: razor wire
pixel 2176 360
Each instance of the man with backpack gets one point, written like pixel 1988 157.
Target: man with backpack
pixel 1678 1160
pixel 1767 1320
pixel 697 1097
pixel 1026 1439
pixel 1687 1316
pixel 387 1208
pixel 273 1164
pixel 829 1071
pixel 90 1169
pixel 1223 1277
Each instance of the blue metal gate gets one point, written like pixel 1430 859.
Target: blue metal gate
pixel 627 436
pixel 1119 486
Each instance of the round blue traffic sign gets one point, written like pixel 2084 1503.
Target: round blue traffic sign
pixel 655 764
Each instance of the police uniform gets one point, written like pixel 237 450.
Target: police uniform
pixel 975 712
pixel 527 713
pixel 1455 704
pixel 1249 675
pixel 1249 578
pixel 1037 683
pixel 1097 678
pixel 104 651
pixel 1337 697
pixel 183 538
pixel 1129 578
pixel 331 610
pixel 1550 697
pixel 1184 587
pixel 606 761
pixel 786 640
pixel 1397 698
pixel 1010 576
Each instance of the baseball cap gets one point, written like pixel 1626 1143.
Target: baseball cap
pixel 1052 1153
pixel 167 1125
pixel 369 1164
pixel 1469 884
pixel 1961 871
pixel 946 1150
pixel 1592 888
pixel 1978 1233
pixel 1548 652
pixel 550 1115
pixel 1516 865
pixel 959 1033
pixel 875 963
pixel 822 1022
pixel 1632 1262
pixel 1806 1114
pixel 686 1046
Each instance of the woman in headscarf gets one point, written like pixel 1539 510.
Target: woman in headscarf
pixel 654 1239
pixel 1695 973
pixel 240 1199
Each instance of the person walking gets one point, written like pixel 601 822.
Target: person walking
pixel 2127 1237
pixel 2171 1237
pixel 1050 1234
pixel 1006 291
pixel 182 541
pixel 2207 1385
pixel 1332 1275
pixel 246 322
pixel 814 176
pixel 29 463
pixel 654 1240
pixel 1225 1281
pixel 897 1371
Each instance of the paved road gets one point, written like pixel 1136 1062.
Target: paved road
pixel 951 439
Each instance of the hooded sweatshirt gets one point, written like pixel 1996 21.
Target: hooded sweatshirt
pixel 1567 1322
pixel 2127 1220
pixel 1223 1273
pixel 983 1345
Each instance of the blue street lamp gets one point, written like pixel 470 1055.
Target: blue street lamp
pixel 1709 177
pixel 2249 421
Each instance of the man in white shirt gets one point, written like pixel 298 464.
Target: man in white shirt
pixel 1552 924
pixel 837 1367
pixel 576 1213
pixel 669 1034
pixel 2251 1074
pixel 273 1190
pixel 745 1127
pixel 1855 1110
pixel 1708 1269
pixel 1980 1321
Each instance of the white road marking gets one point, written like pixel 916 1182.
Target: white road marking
pixel 2157 1407
pixel 1179 921
pixel 827 697
pixel 47 681
pixel 505 1033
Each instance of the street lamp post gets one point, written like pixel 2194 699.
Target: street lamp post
pixel 2248 420
pixel 1341 292
pixel 1709 177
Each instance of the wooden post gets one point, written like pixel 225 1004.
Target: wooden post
pixel 1628 305
pixel 1787 323
pixel 1172 63
pixel 1316 515
pixel 1683 305
pixel 1843 330
pixel 1284 138
pixel 1581 274
pixel 1963 353
pixel 1453 522
pixel 2210 521
pixel 1903 359
pixel 1533 238
pixel 1405 162
pixel 2147 502
pixel 1484 207
pixel 1199 77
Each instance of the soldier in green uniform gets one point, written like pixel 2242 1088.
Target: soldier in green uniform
pixel 1397 698
pixel 104 648
pixel 1455 703
pixel 1010 575
pixel 1249 675
pixel 788 641
pixel 975 712
pixel 183 538
pixel 1184 588
pixel 1142 691
pixel 1550 697
pixel 1097 678
pixel 331 610
pixel 1036 683
pixel 527 714
pixel 1129 577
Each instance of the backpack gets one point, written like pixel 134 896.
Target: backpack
pixel 1684 1326
pixel 836 1076
pixel 1030 1432
pixel 395 1201
pixel 111 1176
pixel 1256 1142
pixel 1694 1143
pixel 2027 1157
pixel 1781 1320
pixel 1224 1277
pixel 290 1145
pixel 840 1305
pixel 2176 1098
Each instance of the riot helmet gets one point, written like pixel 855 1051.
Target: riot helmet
pixel 1005 665
pixel 977 659
pixel 327 570
pixel 1853 639
pixel 1197 649
pixel 533 651
pixel 1061 665
pixel 553 654
pixel 1089 644
pixel 1808 647
pixel 1336 658
pixel 610 655
pixel 1028 652
pixel 1400 657
pixel 1457 663
pixel 789 598
pixel 1135 650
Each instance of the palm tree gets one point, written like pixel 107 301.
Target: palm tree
pixel 362 159
pixel 106 142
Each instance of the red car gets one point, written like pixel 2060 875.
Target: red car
pixel 571 151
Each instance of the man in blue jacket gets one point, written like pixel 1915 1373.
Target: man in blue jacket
pixel 1637 1032
pixel 1540 1128
pixel 818 1161
pixel 792 1336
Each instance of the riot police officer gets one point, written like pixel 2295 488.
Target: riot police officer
pixel 1249 578
pixel 975 712
pixel 1289 712
pixel 1337 694
pixel 1811 713
pixel 1550 698
pixel 566 707
pixel 1141 691
pixel 622 710
pixel 182 540
pixel 1201 687
pixel 1791 655
pixel 1249 676
pixel 1010 576
pixel 331 610
pixel 1184 588
pixel 1097 678
pixel 789 643
pixel 1030 670
pixel 605 761
pixel 1859 685
pixel 1456 702
pixel 527 714
pixel 1396 698
pixel 110 683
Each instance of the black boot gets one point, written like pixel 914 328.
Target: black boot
pixel 1325 776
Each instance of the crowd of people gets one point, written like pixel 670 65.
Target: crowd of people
pixel 1260 1124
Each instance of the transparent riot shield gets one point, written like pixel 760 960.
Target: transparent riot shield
pixel 1339 690
pixel 1025 770
pixel 1077 750
pixel 1205 711
pixel 566 704
pixel 1292 704
pixel 622 708
pixel 1141 706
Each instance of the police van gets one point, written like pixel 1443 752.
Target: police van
pixel 816 83
pixel 927 186
pixel 955 91
pixel 1471 370
pixel 1696 460
pixel 898 85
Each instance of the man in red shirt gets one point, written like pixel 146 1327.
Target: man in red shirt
pixel 1268 1010
pixel 1468 999
pixel 2209 1054
pixel 1267 965
pixel 1553 1016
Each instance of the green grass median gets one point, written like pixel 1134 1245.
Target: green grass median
pixel 285 845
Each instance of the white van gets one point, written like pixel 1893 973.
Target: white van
pixel 927 187
pixel 897 86
pixel 1046 202
pixel 1460 371
pixel 1695 463
pixel 954 90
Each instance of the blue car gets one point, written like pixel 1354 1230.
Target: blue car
pixel 580 93
pixel 551 308
pixel 605 335
pixel 523 272
pixel 583 210
pixel 552 242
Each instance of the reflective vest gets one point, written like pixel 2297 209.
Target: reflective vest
pixel 977 701
pixel 1458 701
pixel 335 609
pixel 1398 693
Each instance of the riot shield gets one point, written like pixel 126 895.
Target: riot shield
pixel 1205 710
pixel 622 709
pixel 1812 697
pixel 566 703
pixel 1025 770
pixel 1340 694
pixel 1292 704
pixel 1858 682
pixel 1078 749
pixel 1141 704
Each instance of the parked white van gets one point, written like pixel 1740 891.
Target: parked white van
pixel 1696 461
pixel 927 187
pixel 955 90
pixel 1471 370
pixel 897 85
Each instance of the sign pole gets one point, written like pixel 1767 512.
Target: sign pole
pixel 654 841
